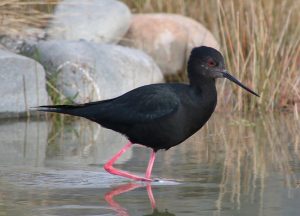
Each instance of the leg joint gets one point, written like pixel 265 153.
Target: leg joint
pixel 108 168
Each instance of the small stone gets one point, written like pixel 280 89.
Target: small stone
pixel 16 42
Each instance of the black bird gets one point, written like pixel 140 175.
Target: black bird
pixel 159 116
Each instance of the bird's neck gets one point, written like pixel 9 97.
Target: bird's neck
pixel 203 85
pixel 204 99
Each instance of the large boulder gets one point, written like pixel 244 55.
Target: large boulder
pixel 87 71
pixel 22 84
pixel 104 21
pixel 168 38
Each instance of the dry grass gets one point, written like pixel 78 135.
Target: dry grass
pixel 261 43
pixel 16 15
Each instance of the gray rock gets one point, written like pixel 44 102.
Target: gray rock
pixel 22 84
pixel 87 71
pixel 104 21
pixel 167 38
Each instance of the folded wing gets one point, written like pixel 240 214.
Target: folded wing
pixel 140 105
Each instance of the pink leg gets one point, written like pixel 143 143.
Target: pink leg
pixel 109 166
pixel 150 165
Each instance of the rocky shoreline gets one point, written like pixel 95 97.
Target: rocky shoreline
pixel 93 51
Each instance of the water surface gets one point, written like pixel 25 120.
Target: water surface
pixel 233 166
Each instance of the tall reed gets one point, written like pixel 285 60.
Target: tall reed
pixel 260 41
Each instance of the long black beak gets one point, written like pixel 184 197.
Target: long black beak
pixel 230 77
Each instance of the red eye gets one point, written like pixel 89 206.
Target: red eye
pixel 211 63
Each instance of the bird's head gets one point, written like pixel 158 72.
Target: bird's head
pixel 208 63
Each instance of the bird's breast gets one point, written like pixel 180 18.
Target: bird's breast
pixel 197 113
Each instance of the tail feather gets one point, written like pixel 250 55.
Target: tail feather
pixel 88 110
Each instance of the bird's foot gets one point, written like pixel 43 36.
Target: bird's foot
pixel 143 179
pixel 122 173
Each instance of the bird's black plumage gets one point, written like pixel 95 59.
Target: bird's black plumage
pixel 160 116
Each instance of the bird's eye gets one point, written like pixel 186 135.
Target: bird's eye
pixel 211 63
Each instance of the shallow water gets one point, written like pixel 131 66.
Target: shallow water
pixel 233 166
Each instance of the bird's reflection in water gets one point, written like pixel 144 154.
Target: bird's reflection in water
pixel 109 197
